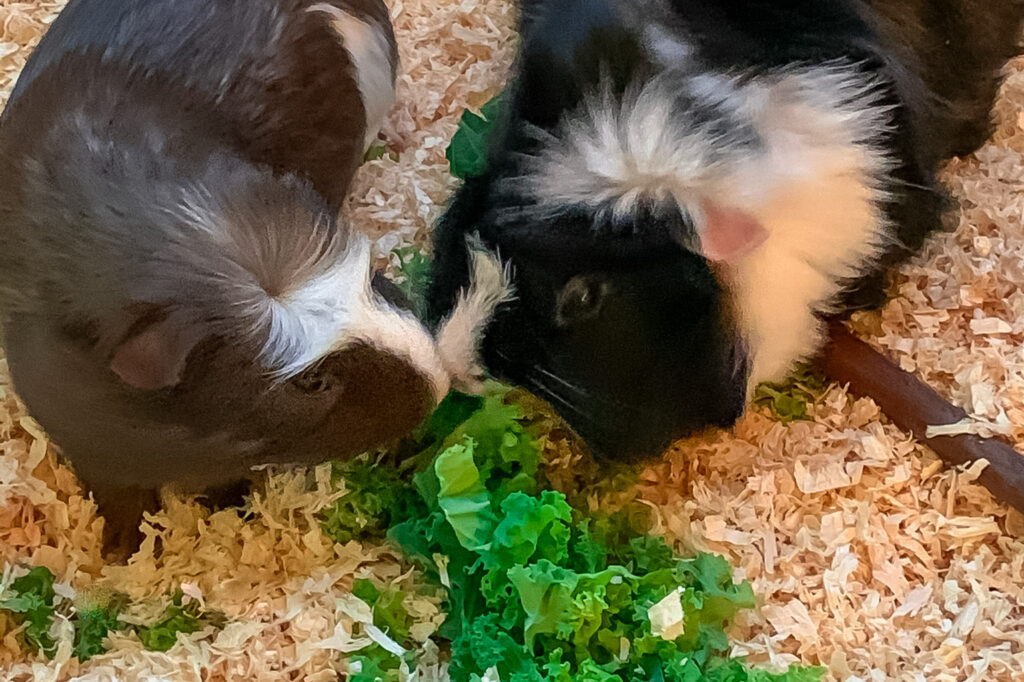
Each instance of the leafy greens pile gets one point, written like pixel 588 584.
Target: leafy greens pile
pixel 535 590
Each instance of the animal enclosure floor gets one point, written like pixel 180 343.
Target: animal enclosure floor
pixel 866 555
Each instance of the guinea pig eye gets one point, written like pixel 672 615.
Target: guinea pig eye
pixel 313 380
pixel 580 299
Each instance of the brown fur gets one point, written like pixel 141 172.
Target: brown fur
pixel 310 119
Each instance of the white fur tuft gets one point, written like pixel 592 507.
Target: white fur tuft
pixel 307 321
pixel 458 338
pixel 613 152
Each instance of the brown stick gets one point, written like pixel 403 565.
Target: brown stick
pixel 914 406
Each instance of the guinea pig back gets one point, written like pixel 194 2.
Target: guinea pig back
pixel 303 84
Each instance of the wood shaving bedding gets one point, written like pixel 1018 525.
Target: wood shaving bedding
pixel 866 555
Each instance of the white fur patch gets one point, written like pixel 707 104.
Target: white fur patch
pixel 371 56
pixel 458 338
pixel 814 181
pixel 822 211
pixel 611 153
pixel 338 308
pixel 666 48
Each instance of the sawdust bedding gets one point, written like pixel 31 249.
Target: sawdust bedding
pixel 866 555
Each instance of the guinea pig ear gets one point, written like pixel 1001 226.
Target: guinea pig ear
pixel 154 357
pixel 727 234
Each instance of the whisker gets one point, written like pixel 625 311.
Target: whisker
pixel 547 374
pixel 578 390
pixel 551 395
pixel 538 380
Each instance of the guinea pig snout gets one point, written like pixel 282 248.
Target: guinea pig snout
pixel 647 420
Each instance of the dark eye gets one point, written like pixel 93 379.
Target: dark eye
pixel 580 299
pixel 314 380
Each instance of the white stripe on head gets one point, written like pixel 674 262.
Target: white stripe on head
pixel 306 322
pixel 801 152
pixel 373 62
pixel 339 308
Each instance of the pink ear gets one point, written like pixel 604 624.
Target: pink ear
pixel 727 234
pixel 153 358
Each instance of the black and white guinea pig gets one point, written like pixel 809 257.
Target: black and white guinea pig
pixel 179 299
pixel 684 188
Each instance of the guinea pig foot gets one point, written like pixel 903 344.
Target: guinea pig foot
pixel 120 542
pixel 226 496
pixel 122 511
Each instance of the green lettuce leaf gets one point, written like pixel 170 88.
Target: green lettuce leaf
pixel 91 627
pixel 31 599
pixel 463 498
pixel 177 617
pixel 467 153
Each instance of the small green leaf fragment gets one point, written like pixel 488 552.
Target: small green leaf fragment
pixel 177 617
pixel 789 399
pixel 414 272
pixel 91 627
pixel 378 150
pixel 31 598
pixel 467 153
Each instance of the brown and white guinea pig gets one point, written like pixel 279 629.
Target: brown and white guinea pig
pixel 179 299
pixel 684 188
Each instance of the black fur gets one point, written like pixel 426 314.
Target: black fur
pixel 660 358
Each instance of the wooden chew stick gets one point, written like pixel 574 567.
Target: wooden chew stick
pixel 914 406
